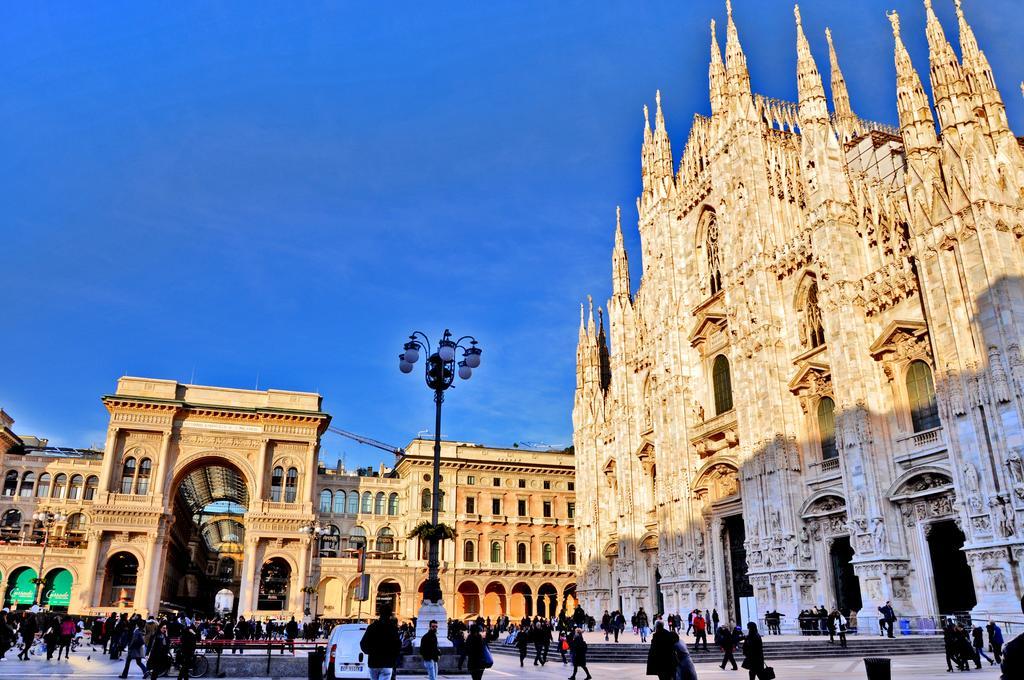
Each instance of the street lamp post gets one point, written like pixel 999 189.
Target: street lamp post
pixel 440 369
pixel 47 519
pixel 315 529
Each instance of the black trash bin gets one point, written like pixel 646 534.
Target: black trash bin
pixel 877 668
pixel 316 664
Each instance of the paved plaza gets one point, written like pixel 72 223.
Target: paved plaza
pixel 903 667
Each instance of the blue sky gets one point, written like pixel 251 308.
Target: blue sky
pixel 281 192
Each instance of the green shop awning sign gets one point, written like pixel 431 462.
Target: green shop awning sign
pixel 23 590
pixel 57 592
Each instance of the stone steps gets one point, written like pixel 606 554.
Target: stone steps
pixel 789 649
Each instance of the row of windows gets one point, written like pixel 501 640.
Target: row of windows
pixel 496 481
pixel 522 552
pixel 12 520
pixel 340 502
pixel 522 507
pixel 331 543
pixel 291 484
pixel 80 487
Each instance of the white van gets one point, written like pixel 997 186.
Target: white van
pixel 343 658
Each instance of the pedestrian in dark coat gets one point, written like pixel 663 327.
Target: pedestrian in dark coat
pixel 159 661
pixel 579 655
pixel 753 651
pixel 684 664
pixel 28 634
pixel 995 640
pixel 429 652
pixel 725 641
pixel 136 651
pixel 475 652
pixel 382 645
pixel 661 659
pixel 523 644
pixel 186 650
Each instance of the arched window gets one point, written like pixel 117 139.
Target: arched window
pixel 60 482
pixel 811 328
pixel 11 520
pixel 353 503
pixel 570 555
pixel 276 481
pixel 469 551
pixel 548 553
pixel 827 428
pixel 11 483
pixel 425 500
pixel 385 540
pixel 495 551
pixel 339 502
pixel 92 485
pixel 326 500
pixel 440 500
pixel 722 382
pixel 142 485
pixel 28 483
pixel 291 485
pixel 43 488
pixel 393 504
pixel 357 539
pixel 75 488
pixel 713 261
pixel 76 522
pixel 378 503
pixel 367 506
pixel 127 475
pixel 924 412
pixel 521 553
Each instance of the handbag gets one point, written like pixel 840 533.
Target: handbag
pixel 486 660
pixel 768 673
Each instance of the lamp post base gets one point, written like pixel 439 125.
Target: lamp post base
pixel 433 611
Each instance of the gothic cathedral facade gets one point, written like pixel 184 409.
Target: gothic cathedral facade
pixel 815 395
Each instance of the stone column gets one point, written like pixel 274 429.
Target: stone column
pixel 147 597
pixel 301 576
pixel 109 462
pixel 259 493
pixel 311 466
pixel 250 579
pixel 88 597
pixel 161 472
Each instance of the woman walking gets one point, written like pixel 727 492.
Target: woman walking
pixel 753 651
pixel 475 652
pixel 579 655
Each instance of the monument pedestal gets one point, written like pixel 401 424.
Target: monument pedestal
pixel 432 611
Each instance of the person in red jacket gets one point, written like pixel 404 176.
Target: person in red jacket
pixel 700 632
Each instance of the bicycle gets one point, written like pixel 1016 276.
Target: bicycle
pixel 198 667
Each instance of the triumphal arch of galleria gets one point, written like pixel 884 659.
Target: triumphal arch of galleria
pixel 815 395
pixel 198 501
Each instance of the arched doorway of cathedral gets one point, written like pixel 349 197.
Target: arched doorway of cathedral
pixel 845 583
pixel 206 544
pixel 547 600
pixel 495 603
pixel 569 599
pixel 520 601
pixel 120 576
pixel 330 598
pixel 275 585
pixel 954 585
pixel 737 584
pixel 389 595
pixel 468 600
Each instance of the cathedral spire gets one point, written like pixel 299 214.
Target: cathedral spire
pixel 979 76
pixel 813 109
pixel 735 60
pixel 949 87
pixel 620 261
pixel 662 145
pixel 591 330
pixel 716 75
pixel 847 124
pixel 916 123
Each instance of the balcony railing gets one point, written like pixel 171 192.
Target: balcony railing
pixel 830 464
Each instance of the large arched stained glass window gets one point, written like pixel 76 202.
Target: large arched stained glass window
pixel 924 411
pixel 827 428
pixel 722 382
pixel 714 265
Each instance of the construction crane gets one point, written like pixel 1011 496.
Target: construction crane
pixel 367 441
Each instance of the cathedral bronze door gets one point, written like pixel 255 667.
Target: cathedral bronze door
pixel 954 585
pixel 739 583
pixel 845 584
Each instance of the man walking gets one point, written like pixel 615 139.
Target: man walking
pixel 995 640
pixel 136 651
pixel 700 632
pixel 186 651
pixel 382 645
pixel 888 618
pixel 27 630
pixel 579 654
pixel 727 643
pixel 430 653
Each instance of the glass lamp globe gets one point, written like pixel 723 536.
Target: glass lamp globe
pixel 412 355
pixel 446 351
pixel 465 372
pixel 404 366
pixel 473 357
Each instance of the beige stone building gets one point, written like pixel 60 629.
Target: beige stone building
pixel 815 394
pixel 199 496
